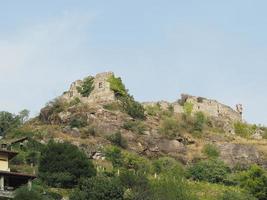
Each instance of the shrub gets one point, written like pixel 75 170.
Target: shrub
pixel 243 129
pixel 117 86
pixel 114 155
pixel 132 107
pixel 135 126
pixel 199 121
pixel 87 87
pixel 135 162
pixel 75 101
pixel 213 171
pixel 169 187
pixel 231 195
pixel 112 106
pixel 96 188
pixel 169 127
pixel 63 164
pixel 129 105
pixel 117 139
pixel 78 122
pixel 167 164
pixel 24 194
pixel 135 184
pixel 254 180
pixel 211 151
pixel 188 108
pixel 153 110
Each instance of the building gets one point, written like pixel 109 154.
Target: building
pixel 9 181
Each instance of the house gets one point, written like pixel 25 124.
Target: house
pixel 9 181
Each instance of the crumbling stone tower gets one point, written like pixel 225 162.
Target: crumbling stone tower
pixel 100 94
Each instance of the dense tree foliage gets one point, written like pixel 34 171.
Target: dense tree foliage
pixel 254 180
pixel 24 194
pixel 63 164
pixel 9 121
pixel 96 188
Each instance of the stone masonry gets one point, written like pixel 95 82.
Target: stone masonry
pixel 101 93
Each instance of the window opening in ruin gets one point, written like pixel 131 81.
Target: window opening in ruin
pixel 100 85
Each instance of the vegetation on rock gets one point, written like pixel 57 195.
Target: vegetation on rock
pixel 87 87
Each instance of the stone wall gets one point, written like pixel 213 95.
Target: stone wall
pixel 209 107
pixel 100 94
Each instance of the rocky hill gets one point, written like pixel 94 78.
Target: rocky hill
pixel 194 143
pixel 99 111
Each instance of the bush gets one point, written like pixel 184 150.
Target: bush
pixel 112 106
pixel 214 171
pixel 169 127
pixel 87 87
pixel 243 129
pixel 169 187
pixel 230 195
pixel 167 164
pixel 129 105
pixel 117 86
pixel 199 121
pixel 63 164
pixel 118 140
pixel 114 155
pixel 188 108
pixel 24 194
pixel 96 188
pixel 78 122
pixel 135 184
pixel 254 180
pixel 75 101
pixel 153 110
pixel 135 126
pixel 135 162
pixel 133 108
pixel 211 151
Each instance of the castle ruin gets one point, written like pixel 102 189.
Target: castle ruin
pixel 100 94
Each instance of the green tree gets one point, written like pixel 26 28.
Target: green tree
pixel 254 180
pixel 87 87
pixel 24 115
pixel 98 188
pixel 63 164
pixel 8 122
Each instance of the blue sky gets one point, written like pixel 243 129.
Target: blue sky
pixel 215 49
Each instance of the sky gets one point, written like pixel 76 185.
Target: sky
pixel 160 49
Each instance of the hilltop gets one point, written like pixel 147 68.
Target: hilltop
pixel 97 108
pixel 100 117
